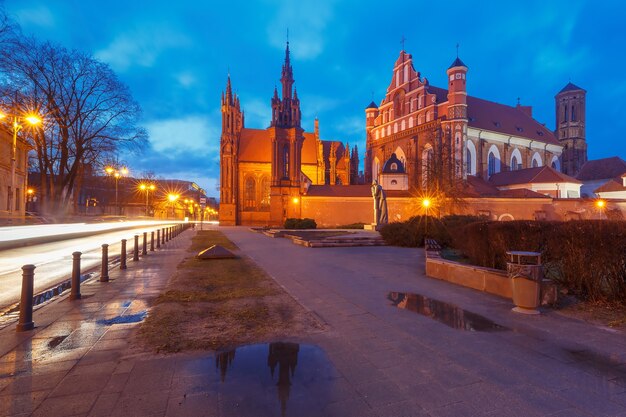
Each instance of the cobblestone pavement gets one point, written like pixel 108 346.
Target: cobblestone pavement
pixel 373 359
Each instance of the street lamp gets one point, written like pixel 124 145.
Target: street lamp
pixel 426 204
pixel 29 198
pixel 33 120
pixel 147 188
pixel 172 198
pixel 601 205
pixel 116 173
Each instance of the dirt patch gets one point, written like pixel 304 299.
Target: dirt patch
pixel 599 313
pixel 221 303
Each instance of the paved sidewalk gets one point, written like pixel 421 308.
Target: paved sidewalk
pixel 382 360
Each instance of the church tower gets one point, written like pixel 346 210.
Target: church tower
pixel 371 113
pixel 456 129
pixel 232 124
pixel 570 128
pixel 287 138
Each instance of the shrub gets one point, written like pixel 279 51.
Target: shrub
pixel 411 232
pixel 588 257
pixel 351 226
pixel 300 224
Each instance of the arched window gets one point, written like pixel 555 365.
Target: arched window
pixel 410 122
pixel 516 160
pixel 377 134
pixel 265 192
pixel 388 130
pixel 394 167
pixel 491 168
pixel 286 161
pixel 249 197
pixel 406 74
pixel 394 182
pixel 493 161
pixel 395 127
pixel 429 116
pixel 536 161
pixel 470 158
pixel 397 78
pixel 555 163
pixel 427 165
pixel 565 112
pixel 403 125
pixel 420 119
pixel 573 113
pixel 514 163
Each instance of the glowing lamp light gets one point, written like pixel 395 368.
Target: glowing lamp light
pixel 152 187
pixel 142 187
pixel 426 202
pixel 30 191
pixel 172 197
pixel 600 203
pixel 109 170
pixel 32 119
pixel 124 171
pixel 295 200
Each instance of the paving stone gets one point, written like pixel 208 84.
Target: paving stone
pixel 17 404
pixel 69 405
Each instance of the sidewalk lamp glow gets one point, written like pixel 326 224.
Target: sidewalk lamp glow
pixel 295 200
pixel 31 119
pixel 600 204
pixel 426 203
pixel 117 174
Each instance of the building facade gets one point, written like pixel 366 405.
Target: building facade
pixel 421 125
pixel 263 172
pixel 13 191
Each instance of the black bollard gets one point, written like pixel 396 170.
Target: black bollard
pixel 123 255
pixel 75 289
pixel 163 235
pixel 136 249
pixel 158 238
pixel 104 275
pixel 26 302
pixel 152 241
pixel 144 248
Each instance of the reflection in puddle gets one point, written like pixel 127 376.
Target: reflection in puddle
pixel 445 313
pixel 250 370
pixel 129 318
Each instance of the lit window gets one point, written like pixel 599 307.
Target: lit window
pixel 250 194
pixel 491 168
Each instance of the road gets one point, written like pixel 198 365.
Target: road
pixel 53 260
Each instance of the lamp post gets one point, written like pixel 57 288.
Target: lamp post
pixel 29 198
pixel 426 205
pixel 601 205
pixel 32 120
pixel 172 198
pixel 147 188
pixel 116 173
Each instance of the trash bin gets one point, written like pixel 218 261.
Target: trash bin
pixel 525 272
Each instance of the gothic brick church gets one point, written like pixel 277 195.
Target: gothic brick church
pixel 264 171
pixel 415 120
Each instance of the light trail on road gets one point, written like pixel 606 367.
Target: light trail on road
pixel 53 260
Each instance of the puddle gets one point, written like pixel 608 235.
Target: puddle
pixel 125 319
pixel 445 313
pixel 275 379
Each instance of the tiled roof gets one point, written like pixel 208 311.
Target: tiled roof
pixel 602 169
pixel 538 175
pixel 255 145
pixel 570 87
pixel 615 184
pixel 478 187
pixel 496 117
pixel 361 190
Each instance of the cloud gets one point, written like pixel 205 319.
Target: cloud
pixel 314 105
pixel 175 138
pixel 38 15
pixel 307 21
pixel 141 47
pixel 185 79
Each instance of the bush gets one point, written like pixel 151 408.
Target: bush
pixel 351 226
pixel 588 257
pixel 411 232
pixel 300 224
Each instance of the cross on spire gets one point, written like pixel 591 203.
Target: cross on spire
pixel 457 49
pixel 402 40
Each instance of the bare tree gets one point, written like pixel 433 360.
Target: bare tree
pixel 89 113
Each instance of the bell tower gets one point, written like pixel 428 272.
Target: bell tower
pixel 232 124
pixel 457 116
pixel 570 128
pixel 287 138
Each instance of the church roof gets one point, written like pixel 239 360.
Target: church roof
pixel 457 63
pixel 372 105
pixel 478 187
pixel 255 145
pixel 570 87
pixel 537 175
pixel 361 190
pixel 496 117
pixel 612 185
pixel 602 169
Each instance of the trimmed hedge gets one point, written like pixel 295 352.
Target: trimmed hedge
pixel 588 257
pixel 300 224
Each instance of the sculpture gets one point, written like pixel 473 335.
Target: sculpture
pixel 380 204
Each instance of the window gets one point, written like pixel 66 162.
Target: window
pixel 17 199
pixel 535 163
pixel 377 134
pixel 565 113
pixel 410 122
pixel 573 113
pixel 394 167
pixel 514 163
pixel 397 78
pixel 265 193
pixel 388 130
pixel 394 182
pixel 286 162
pixel 395 127
pixel 468 162
pixel 403 125
pixel 553 165
pixel 427 165
pixel 491 168
pixel 406 73
pixel 249 197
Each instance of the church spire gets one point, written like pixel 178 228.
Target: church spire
pixel 229 92
pixel 286 78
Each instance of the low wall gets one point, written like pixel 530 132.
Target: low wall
pixel 492 281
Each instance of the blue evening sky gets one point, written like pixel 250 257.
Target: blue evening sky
pixel 175 56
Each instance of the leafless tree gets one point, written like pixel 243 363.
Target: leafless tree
pixel 89 114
